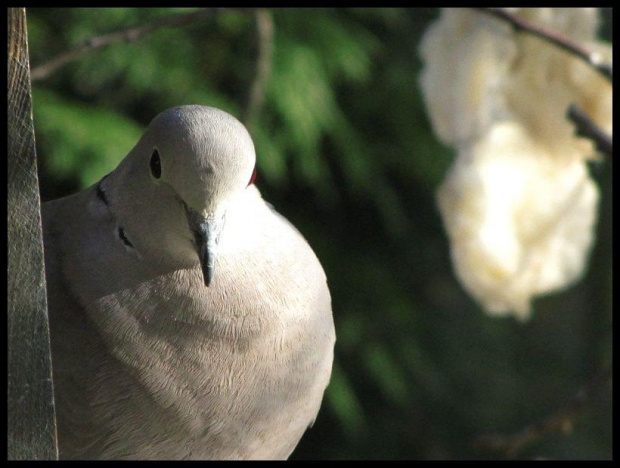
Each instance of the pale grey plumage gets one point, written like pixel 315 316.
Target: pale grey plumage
pixel 149 363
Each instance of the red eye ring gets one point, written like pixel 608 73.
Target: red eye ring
pixel 253 178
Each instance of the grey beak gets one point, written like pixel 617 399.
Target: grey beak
pixel 206 234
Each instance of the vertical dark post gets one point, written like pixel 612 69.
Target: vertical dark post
pixel 31 417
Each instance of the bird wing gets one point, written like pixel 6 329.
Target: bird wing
pixel 75 344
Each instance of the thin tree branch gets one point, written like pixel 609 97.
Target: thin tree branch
pixel 264 36
pixel 127 35
pixel 587 128
pixel 554 37
pixel 562 421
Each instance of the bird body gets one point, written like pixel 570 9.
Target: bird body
pixel 149 361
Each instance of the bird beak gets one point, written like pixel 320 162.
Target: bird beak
pixel 206 232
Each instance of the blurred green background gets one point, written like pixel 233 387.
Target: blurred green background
pixel 346 152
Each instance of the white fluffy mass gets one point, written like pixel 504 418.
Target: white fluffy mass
pixel 518 204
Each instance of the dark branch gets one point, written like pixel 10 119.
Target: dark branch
pixel 127 35
pixel 587 128
pixel 553 37
pixel 562 421
pixel 264 36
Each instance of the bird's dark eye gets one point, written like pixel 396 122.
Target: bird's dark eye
pixel 155 164
pixel 253 178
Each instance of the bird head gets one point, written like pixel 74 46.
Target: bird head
pixel 177 183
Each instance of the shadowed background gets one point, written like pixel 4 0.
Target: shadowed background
pixel 345 151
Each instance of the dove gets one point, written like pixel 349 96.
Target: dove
pixel 188 319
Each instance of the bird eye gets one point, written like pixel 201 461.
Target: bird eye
pixel 253 178
pixel 155 164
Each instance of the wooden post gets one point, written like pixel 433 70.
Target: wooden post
pixel 31 416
